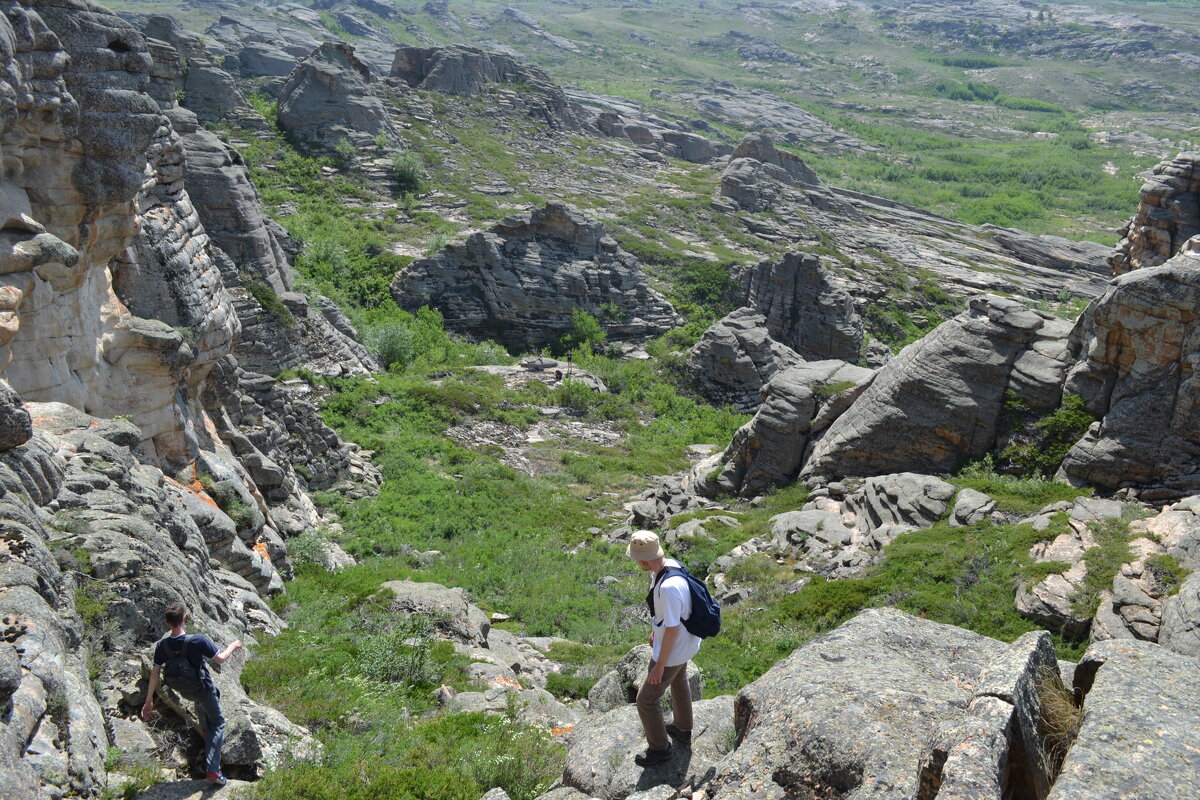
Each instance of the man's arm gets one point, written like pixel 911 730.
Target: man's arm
pixel 669 635
pixel 223 656
pixel 148 706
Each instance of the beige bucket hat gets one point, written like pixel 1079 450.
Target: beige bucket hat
pixel 644 546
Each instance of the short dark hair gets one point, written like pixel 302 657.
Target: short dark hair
pixel 175 614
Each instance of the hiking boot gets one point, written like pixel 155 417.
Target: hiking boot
pixel 216 779
pixel 652 757
pixel 684 737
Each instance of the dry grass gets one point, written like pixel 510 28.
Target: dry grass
pixel 1060 721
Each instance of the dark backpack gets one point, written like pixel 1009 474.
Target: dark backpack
pixel 705 619
pixel 185 676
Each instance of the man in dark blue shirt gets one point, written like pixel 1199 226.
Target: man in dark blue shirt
pixel 197 686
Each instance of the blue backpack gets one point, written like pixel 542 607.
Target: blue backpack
pixel 705 619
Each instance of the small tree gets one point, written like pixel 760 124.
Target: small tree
pixel 344 151
pixel 585 332
pixel 408 171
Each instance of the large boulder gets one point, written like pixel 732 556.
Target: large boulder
pixel 1137 740
pixel 519 282
pixel 804 308
pixel 328 97
pixel 839 718
pixel 938 403
pixel 799 401
pixel 1167 217
pixel 736 357
pixel 759 177
pixel 1135 349
pixel 450 608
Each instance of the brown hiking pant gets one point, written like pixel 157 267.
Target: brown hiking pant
pixel 650 710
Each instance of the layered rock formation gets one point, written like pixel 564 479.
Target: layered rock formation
pixel 467 71
pixel 328 98
pixel 799 403
pixel 803 307
pixel 519 281
pixel 145 466
pixel 938 403
pixel 1168 216
pixel 736 357
pixel 1136 350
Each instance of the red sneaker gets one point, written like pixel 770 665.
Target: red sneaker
pixel 216 779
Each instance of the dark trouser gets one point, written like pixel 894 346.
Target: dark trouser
pixel 212 722
pixel 650 710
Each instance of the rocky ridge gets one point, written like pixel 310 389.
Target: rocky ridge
pixel 144 464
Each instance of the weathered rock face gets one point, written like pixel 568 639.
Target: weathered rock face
pixel 814 722
pixel 1053 252
pixel 328 97
pixel 113 304
pixel 938 402
pixel 1136 349
pixel 797 403
pixel 76 489
pixel 1167 217
pixel 735 357
pixel 210 92
pixel 759 176
pixel 468 71
pixel 519 281
pixel 803 308
pixel 1137 736
pixel 246 247
pixel 257 46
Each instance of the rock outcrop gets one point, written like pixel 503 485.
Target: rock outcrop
pixel 759 177
pixel 328 97
pixel 468 71
pixel 798 403
pixel 1168 216
pixel 510 672
pixel 814 724
pixel 938 402
pixel 1136 350
pixel 519 281
pixel 601 749
pixel 804 309
pixel 1136 737
pixel 132 475
pixel 736 357
pixel 248 249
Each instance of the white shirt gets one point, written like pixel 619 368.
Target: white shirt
pixel 672 605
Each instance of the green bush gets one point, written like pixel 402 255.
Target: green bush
pixel 585 332
pixel 344 152
pixel 394 345
pixel 1046 441
pixel 408 171
pixel 270 302
pixel 1167 570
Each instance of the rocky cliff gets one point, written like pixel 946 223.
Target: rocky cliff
pixel 144 465
pixel 519 282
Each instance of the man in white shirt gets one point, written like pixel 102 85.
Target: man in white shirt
pixel 673 646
